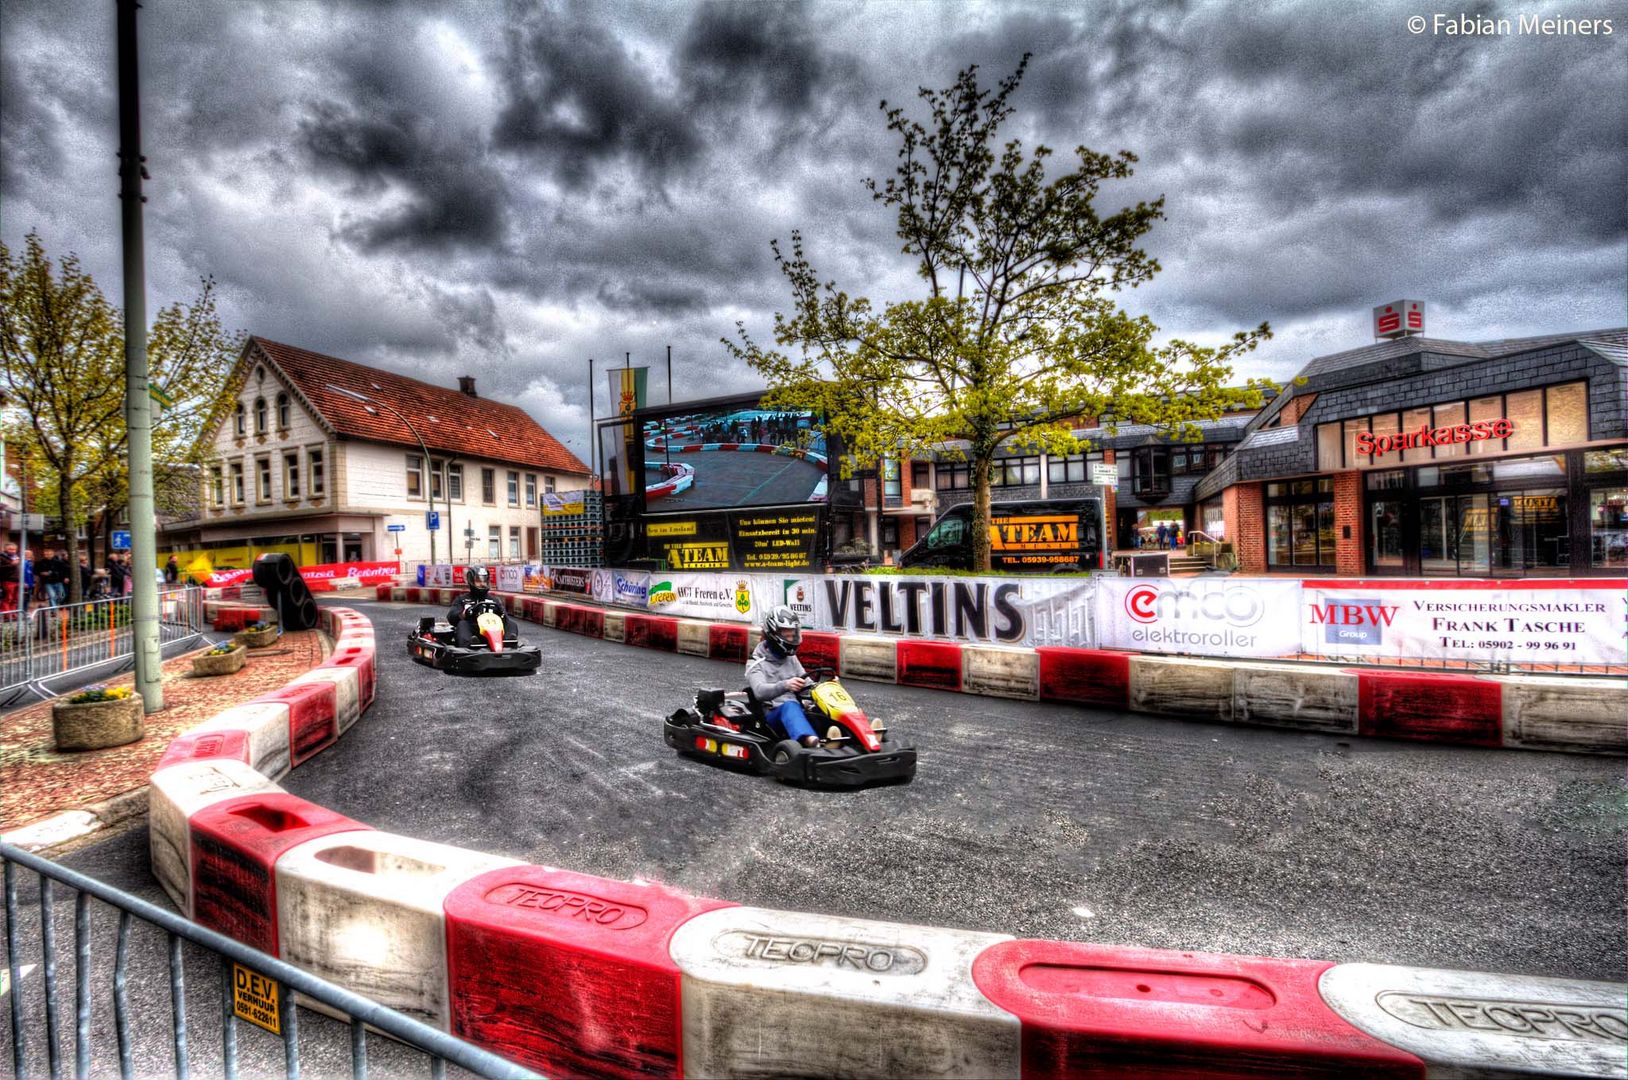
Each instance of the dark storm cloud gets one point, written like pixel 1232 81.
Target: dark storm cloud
pixel 576 99
pixel 767 55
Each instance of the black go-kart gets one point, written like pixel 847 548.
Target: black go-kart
pixel 731 727
pixel 435 643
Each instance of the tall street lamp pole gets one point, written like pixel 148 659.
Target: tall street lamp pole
pixel 429 470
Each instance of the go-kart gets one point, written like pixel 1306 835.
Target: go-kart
pixel 731 727
pixel 435 643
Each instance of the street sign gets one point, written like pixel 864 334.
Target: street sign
pixel 1104 474
pixel 121 539
pixel 469 532
pixel 395 528
pixel 432 520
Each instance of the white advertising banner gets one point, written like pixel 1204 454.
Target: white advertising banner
pixel 1229 616
pixel 510 578
pixel 1000 611
pixel 703 596
pixel 1565 622
pixel 440 576
pixel 630 588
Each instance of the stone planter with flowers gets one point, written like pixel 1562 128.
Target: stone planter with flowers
pixel 223 659
pixel 257 636
pixel 97 718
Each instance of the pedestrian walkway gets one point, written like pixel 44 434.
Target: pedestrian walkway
pixel 37 781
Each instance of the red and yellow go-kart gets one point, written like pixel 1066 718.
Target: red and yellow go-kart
pixel 492 650
pixel 855 750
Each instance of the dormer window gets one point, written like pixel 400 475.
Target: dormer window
pixel 282 412
pixel 260 416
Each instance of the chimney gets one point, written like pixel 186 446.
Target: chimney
pixel 466 383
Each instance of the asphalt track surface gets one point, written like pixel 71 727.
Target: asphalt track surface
pixel 1035 820
pixel 729 478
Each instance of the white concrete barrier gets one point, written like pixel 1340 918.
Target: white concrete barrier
pixel 1182 687
pixel 347 691
pixel 363 909
pixel 615 626
pixel 869 657
pixel 1468 1024
pixel 775 993
pixel 550 612
pixel 998 671
pixel 266 724
pixel 177 793
pixel 1296 696
pixel 1566 713
pixel 694 637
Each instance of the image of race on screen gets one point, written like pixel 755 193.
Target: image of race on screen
pixel 733 456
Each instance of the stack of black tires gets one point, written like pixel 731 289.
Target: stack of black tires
pixel 286 591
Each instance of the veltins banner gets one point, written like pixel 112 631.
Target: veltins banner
pixel 1199 616
pixel 1002 611
pixel 1566 622
pixel 703 596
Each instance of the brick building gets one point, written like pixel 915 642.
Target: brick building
pixel 1423 457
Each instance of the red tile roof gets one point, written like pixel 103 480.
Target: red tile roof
pixel 447 419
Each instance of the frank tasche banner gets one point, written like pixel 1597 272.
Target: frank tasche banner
pixel 1564 622
pixel 1198 616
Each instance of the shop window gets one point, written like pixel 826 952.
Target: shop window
pixel 1389 480
pixel 1348 442
pixel 1385 533
pixel 1486 409
pixel 1413 420
pixel 1213 518
pixel 1525 412
pixel 1450 416
pixel 1328 447
pixel 1300 523
pixel 1383 425
pixel 1608 527
pixel 1603 461
pixel 1566 409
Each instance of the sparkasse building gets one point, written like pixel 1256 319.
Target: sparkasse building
pixel 314 458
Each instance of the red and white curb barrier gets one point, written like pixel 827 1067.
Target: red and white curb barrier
pixel 575 975
pixel 1579 714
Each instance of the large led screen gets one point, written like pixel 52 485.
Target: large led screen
pixel 733 456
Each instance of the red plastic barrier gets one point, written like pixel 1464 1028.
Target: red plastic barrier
pixel 1085 676
pixel 382 592
pixel 651 632
pixel 935 664
pixel 313 711
pixel 362 660
pixel 414 594
pixel 1129 1014
pixel 579 619
pixel 235 618
pixel 568 973
pixel 727 642
pixel 235 845
pixel 221 743
pixel 1437 708
pixel 819 649
pixel 532 606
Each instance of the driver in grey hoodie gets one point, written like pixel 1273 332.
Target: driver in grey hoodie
pixel 775 675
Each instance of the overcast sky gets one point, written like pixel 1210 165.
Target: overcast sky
pixel 500 190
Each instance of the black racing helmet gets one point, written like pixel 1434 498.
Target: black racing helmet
pixel 782 630
pixel 478 580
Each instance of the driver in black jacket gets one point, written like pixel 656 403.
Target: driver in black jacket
pixel 462 613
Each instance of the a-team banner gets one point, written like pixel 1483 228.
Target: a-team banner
pixel 1567 622
pixel 1200 616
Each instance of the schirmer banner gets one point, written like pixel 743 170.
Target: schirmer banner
pixel 1531 621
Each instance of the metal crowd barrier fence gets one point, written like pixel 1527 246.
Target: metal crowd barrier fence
pixel 271 984
pixel 46 643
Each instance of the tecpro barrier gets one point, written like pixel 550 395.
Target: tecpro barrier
pixel 576 975
pixel 1574 713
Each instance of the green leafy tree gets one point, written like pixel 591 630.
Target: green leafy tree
pixel 62 346
pixel 1018 335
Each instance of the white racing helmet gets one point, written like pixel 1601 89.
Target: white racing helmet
pixel 782 630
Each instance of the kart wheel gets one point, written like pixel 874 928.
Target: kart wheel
pixel 785 751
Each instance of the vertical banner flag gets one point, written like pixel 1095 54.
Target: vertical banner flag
pixel 627 391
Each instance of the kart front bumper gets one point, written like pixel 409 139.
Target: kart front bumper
pixel 520 660
pixel 848 768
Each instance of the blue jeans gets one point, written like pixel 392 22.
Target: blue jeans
pixel 58 593
pixel 789 720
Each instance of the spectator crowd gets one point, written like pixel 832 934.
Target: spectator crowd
pixel 45 581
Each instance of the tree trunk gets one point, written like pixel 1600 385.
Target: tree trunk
pixel 980 510
pixel 70 535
